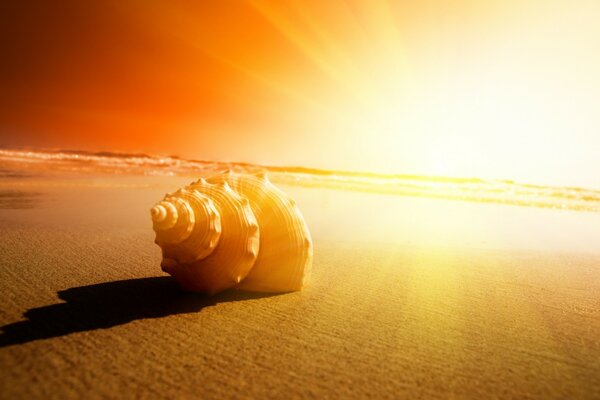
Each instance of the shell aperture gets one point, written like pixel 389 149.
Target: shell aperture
pixel 233 230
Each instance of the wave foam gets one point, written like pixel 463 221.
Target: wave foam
pixel 468 189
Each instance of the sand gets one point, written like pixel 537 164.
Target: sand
pixel 409 298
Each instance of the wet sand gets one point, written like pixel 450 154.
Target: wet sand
pixel 409 298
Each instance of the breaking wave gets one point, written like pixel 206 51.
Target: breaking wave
pixel 20 163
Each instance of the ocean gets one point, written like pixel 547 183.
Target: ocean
pixel 22 163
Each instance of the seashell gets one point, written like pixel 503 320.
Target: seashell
pixel 233 230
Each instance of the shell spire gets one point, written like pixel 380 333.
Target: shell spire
pixel 233 230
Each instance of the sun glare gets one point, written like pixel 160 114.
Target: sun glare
pixel 477 91
pixel 492 89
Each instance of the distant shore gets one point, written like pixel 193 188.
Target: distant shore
pixel 451 188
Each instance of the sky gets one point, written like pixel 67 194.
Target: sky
pixel 483 88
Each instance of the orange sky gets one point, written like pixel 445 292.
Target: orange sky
pixel 504 89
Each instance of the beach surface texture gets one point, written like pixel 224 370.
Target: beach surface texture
pixel 410 297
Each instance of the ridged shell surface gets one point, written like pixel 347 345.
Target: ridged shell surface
pixel 285 252
pixel 213 242
pixel 233 230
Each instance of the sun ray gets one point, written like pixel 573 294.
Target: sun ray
pixel 315 43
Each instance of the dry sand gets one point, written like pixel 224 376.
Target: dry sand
pixel 409 298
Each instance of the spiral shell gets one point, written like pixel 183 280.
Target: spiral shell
pixel 233 230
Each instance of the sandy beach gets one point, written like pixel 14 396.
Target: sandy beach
pixel 439 163
pixel 490 301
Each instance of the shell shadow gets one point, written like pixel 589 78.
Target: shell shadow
pixel 108 304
